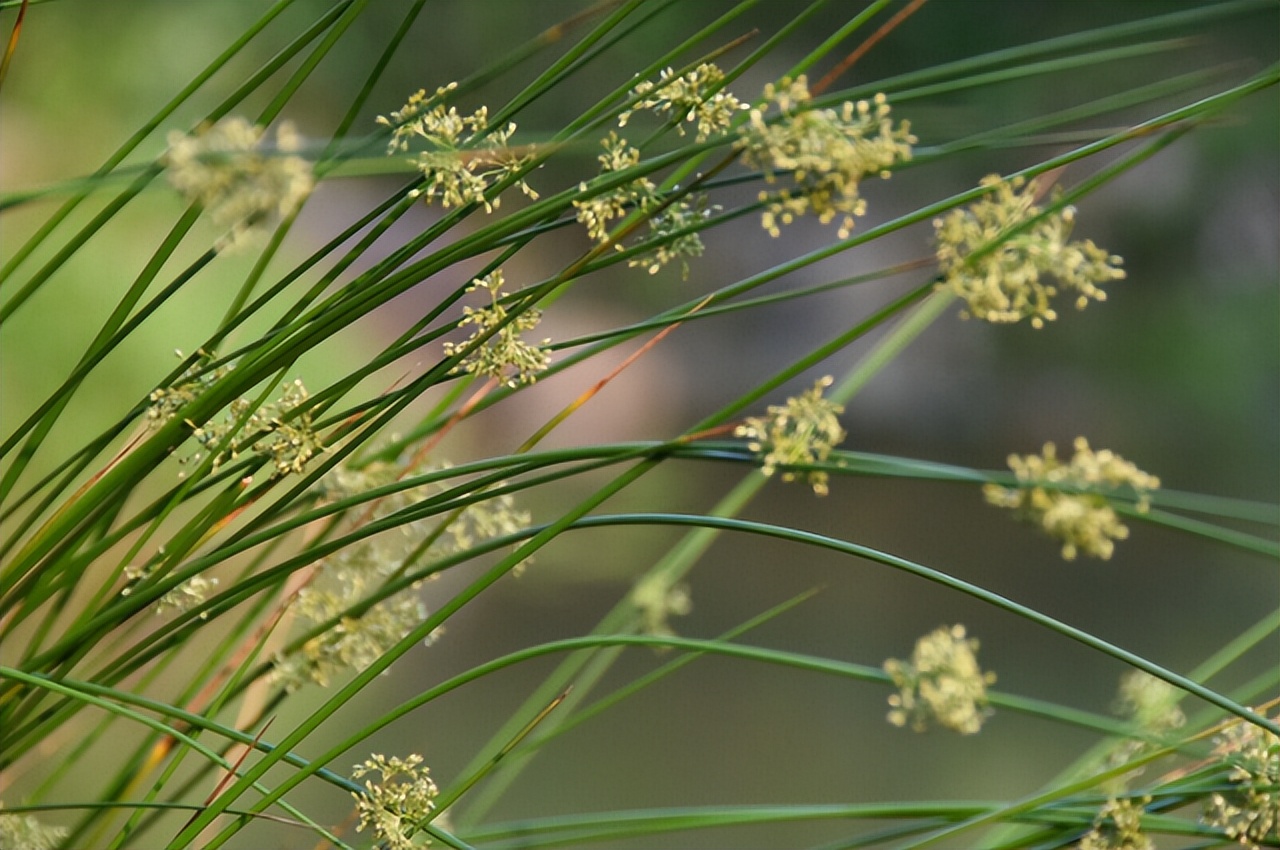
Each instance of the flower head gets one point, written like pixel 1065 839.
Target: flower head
pixel 1150 702
pixel 1118 826
pixel 1083 521
pixel 26 832
pixel 1249 812
pixel 240 182
pixel 403 796
pixel 801 432
pixel 597 211
pixel 657 600
pixel 942 682
pixel 1006 284
pixel 346 580
pixel 688 97
pixel 664 231
pixel 187 596
pixel 826 151
pixel 273 430
pixel 465 157
pixel 504 354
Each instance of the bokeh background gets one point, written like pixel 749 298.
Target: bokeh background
pixel 1178 371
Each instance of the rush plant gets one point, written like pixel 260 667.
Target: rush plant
pixel 239 589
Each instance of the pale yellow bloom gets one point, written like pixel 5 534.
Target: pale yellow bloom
pixel 241 183
pixel 1073 507
pixel 1008 282
pixel 827 153
pixel 465 156
pixel 941 683
pixel 351 575
pixel 1118 826
pixel 403 795
pixel 503 355
pixel 657 601
pixel 598 211
pixel 688 98
pixel 1250 812
pixel 187 596
pixel 26 832
pixel 663 228
pixel 1150 702
pixel 801 432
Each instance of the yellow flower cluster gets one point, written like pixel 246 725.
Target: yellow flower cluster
pixel 942 682
pixel 403 796
pixel 1118 826
pixel 1006 281
pixel 289 441
pixel 504 355
pixel 242 185
pixel 191 594
pixel 350 576
pixel 689 97
pixel 801 432
pixel 1150 702
pixel 465 156
pixel 1064 498
pixel 164 403
pixel 657 600
pixel 1250 812
pixel 26 832
pixel 827 153
pixel 597 211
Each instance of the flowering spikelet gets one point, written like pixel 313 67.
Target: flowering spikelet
pixel 1118 826
pixel 1083 521
pixel 25 832
pixel 226 169
pixel 828 152
pixel 1149 702
pixel 403 796
pixel 291 443
pixel 942 682
pixel 657 600
pixel 663 230
pixel 466 156
pixel 596 212
pixel 688 97
pixel 1006 284
pixel 165 402
pixel 1250 812
pixel 191 594
pixel 269 430
pixel 503 355
pixel 801 432
pixel 347 578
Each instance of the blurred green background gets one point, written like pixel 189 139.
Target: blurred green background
pixel 1179 371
